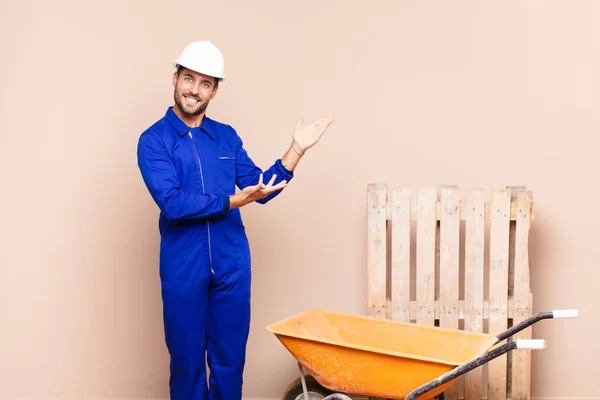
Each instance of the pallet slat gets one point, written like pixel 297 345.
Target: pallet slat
pixel 376 249
pixel 462 310
pixel 487 211
pixel 426 228
pixel 449 257
pixel 449 264
pixel 401 255
pixel 498 277
pixel 474 309
pixel 521 374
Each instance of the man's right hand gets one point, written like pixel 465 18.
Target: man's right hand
pixel 252 193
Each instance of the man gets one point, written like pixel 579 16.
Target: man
pixel 191 166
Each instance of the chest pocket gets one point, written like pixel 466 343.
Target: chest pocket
pixel 226 172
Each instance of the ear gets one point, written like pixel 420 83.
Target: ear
pixel 215 90
pixel 175 79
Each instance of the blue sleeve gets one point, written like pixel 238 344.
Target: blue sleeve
pixel 160 177
pixel 247 173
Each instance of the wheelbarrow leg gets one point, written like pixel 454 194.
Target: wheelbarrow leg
pixel 334 396
pixel 304 389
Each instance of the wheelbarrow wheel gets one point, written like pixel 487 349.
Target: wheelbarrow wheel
pixel 315 390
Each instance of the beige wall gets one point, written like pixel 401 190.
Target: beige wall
pixel 479 94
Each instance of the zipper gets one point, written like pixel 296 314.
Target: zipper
pixel 203 192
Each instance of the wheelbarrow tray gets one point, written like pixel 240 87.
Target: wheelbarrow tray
pixel 376 357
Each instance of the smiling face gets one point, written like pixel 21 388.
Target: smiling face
pixel 193 92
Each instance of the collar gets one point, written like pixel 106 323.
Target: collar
pixel 182 129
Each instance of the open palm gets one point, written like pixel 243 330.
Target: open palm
pixel 307 136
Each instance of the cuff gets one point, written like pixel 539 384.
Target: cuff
pixel 226 202
pixel 288 174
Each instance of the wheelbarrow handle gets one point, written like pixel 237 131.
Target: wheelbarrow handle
pixel 532 344
pixel 536 318
pixel 524 344
pixel 565 313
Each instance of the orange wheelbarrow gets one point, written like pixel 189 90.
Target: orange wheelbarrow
pixel 355 355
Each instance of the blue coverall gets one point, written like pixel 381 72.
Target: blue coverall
pixel 205 269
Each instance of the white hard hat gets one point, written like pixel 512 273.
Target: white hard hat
pixel 203 57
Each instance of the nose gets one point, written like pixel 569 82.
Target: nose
pixel 194 88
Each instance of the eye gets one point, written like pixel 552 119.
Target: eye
pixel 206 85
pixel 188 79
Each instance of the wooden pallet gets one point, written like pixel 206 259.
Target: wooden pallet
pixel 440 258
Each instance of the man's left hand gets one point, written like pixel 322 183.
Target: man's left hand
pixel 306 137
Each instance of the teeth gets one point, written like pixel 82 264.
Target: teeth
pixel 191 100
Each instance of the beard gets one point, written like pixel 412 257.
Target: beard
pixel 187 109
